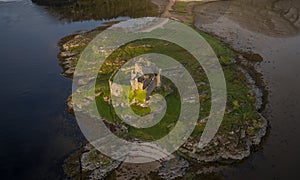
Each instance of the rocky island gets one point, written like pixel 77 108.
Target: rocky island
pixel 242 129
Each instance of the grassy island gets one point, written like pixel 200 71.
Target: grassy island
pixel 241 128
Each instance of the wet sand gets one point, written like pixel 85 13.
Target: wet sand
pixel 270 28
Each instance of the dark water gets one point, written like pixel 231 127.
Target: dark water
pixel 36 132
pixel 280 157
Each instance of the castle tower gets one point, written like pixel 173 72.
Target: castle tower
pixel 158 81
pixel 133 80
pixel 137 68
pixel 136 83
pixel 132 75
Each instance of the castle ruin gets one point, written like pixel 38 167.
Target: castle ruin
pixel 145 79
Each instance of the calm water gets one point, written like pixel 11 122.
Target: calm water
pixel 36 133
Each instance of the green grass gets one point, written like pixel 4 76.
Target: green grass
pixel 104 9
pixel 164 126
pixel 180 7
pixel 220 48
pixel 139 95
pixel 239 106
pixel 139 110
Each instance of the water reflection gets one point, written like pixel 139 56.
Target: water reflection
pixel 36 132
pixel 276 18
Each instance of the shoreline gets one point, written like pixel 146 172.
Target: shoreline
pixel 247 68
pixel 221 156
pixel 251 57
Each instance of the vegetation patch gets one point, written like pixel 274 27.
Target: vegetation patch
pixel 241 124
